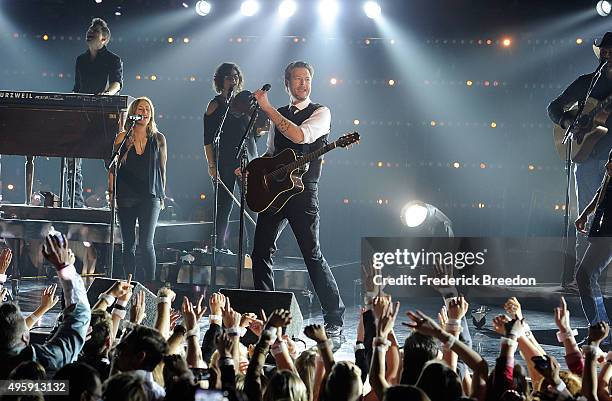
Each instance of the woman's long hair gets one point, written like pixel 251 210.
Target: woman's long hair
pixel 151 126
pixel 223 70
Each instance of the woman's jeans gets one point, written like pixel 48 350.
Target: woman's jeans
pixel 146 211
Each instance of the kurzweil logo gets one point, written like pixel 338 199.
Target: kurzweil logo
pixel 16 95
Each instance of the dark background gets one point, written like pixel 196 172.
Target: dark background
pixel 431 49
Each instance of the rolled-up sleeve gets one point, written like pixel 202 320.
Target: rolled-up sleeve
pixel 317 125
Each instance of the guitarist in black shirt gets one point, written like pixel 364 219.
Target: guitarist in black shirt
pixel 599 252
pixel 588 173
pixel 302 126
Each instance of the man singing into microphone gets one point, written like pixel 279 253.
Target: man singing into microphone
pixel 98 71
pixel 588 173
pixel 302 126
pixel 227 83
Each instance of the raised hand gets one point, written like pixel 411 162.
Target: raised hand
pixel 378 306
pixel 457 308
pixel 56 251
pixel 5 260
pixel 216 303
pixel 423 324
pixel 387 320
pixel 189 315
pixel 562 317
pixel 499 324
pixel 225 344
pixel 48 299
pixel 513 308
pixel 120 287
pixel 279 318
pixel 231 318
pixel 548 367
pixel 138 309
pixel 247 318
pixel 598 332
pixel 175 316
pixel 442 316
pixel 198 308
pixel 127 295
pixel 513 328
pixel 257 326
pixel 315 332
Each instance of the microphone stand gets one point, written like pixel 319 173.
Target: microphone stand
pixel 213 237
pixel 567 139
pixel 114 167
pixel 241 154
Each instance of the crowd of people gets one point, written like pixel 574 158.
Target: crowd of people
pixel 112 356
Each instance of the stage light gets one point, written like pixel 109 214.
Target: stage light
pixel 153 77
pixel 45 37
pixel 531 167
pixel 202 8
pixel 420 218
pixel 392 41
pixel 202 196
pixel 432 123
pixel 333 81
pixel 185 5
pixel 507 42
pixel 483 165
pixel 493 124
pixel 578 41
pixel 356 122
pixel 287 8
pixel 371 9
pixel 391 82
pixel 456 165
pixel 469 82
pixel 98 1
pixel 249 8
pixel 10 187
pixel 170 39
pixel 185 40
pixel 328 8
pixel 603 8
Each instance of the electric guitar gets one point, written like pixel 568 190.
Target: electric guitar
pixel 587 131
pixel 272 181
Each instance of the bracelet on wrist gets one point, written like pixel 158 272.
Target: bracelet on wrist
pixel 119 313
pixel 509 341
pixel 566 335
pixel 108 298
pixel 324 344
pixel 164 300
pixel 358 346
pixel 195 332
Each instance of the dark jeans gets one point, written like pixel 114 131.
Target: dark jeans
pixel 71 164
pixel 302 213
pixel 596 258
pixel 146 211
pixel 224 209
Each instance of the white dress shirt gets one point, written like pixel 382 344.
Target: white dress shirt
pixel 315 126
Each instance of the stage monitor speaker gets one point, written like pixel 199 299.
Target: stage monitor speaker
pixel 101 284
pixel 244 301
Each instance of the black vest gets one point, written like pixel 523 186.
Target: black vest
pixel 281 142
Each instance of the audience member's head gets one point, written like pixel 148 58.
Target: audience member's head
pixel 418 350
pixel 141 349
pixel 84 383
pixel 306 366
pixel 28 370
pixel 404 392
pixel 128 386
pixel 343 382
pixel 287 386
pixel 439 382
pixel 175 369
pixel 14 334
pixel 100 340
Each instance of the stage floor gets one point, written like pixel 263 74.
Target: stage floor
pixel 485 341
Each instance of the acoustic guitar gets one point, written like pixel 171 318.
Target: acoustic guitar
pixel 587 131
pixel 272 181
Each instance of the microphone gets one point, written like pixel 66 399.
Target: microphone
pixel 266 87
pixel 135 117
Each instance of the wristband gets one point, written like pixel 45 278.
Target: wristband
pixel 565 335
pixel 242 331
pixel 119 313
pixel 380 341
pixel 358 346
pixel 232 331
pixel 122 302
pixel 510 342
pixel 107 297
pixel 215 319
pixel 119 307
pixel 324 344
pixel 163 300
pixel 381 348
pixel 195 332
pixel 2 278
pixel 561 386
pixel 519 332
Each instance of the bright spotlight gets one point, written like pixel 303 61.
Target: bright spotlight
pixel 287 8
pixel 249 8
pixel 202 8
pixel 328 8
pixel 603 8
pixel 371 9
pixel 423 219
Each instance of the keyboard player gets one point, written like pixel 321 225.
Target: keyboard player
pixel 98 71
